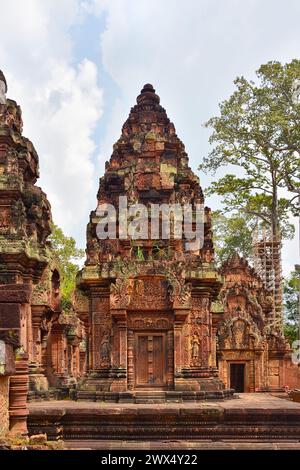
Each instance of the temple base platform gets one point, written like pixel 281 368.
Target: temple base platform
pixel 246 417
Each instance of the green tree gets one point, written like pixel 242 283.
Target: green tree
pixel 65 254
pixel 231 234
pixel 258 131
pixel 291 306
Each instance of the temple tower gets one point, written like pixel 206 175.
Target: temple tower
pixel 24 227
pixel 149 297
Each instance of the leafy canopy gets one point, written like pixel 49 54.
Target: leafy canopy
pixel 291 306
pixel 65 254
pixel 258 131
pixel 231 234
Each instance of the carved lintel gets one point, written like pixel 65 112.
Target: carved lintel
pixel 37 311
pixel 120 315
pixel 180 315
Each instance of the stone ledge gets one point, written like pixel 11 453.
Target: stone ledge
pixel 261 418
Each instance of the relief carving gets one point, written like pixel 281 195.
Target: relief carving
pixel 150 294
pixel 105 351
pixel 239 333
pixel 149 322
pixel 120 293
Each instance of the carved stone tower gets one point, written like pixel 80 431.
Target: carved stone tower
pixel 149 299
pixel 24 227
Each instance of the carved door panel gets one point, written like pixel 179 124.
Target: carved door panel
pixel 150 360
pixel 237 377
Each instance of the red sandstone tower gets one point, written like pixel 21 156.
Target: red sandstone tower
pixel 150 322
pixel 24 227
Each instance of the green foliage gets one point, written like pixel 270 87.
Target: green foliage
pixel 65 254
pixel 238 196
pixel 258 131
pixel 291 306
pixel 139 254
pixel 231 234
pixel 159 251
pixel 290 332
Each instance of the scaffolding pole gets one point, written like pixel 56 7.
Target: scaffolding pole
pixel 267 263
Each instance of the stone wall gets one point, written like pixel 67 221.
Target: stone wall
pixel 291 374
pixel 4 416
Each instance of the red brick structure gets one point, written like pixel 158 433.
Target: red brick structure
pixel 149 300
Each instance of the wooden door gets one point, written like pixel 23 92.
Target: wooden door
pixel 237 377
pixel 150 360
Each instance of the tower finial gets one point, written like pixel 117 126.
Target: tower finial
pixel 148 95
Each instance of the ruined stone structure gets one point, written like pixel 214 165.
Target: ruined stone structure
pixel 24 227
pixel 149 300
pixel 58 337
pixel 38 343
pixel 252 352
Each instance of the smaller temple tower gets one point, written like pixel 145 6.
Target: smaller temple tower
pixel 251 350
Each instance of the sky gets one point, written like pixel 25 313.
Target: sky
pixel 76 67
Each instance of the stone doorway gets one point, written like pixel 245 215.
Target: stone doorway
pixel 237 377
pixel 150 361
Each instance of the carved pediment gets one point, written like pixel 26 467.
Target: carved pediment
pixel 239 333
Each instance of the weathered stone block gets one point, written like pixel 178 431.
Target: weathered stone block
pixel 10 316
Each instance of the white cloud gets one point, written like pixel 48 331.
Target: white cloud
pixel 191 52
pixel 60 99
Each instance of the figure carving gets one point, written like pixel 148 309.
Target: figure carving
pixel 195 347
pixel 104 348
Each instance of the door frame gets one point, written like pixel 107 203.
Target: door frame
pixel 245 364
pixel 163 334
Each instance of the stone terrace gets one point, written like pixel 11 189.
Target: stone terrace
pixel 260 418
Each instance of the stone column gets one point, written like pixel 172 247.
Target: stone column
pixel 84 354
pixel 177 347
pixel 213 358
pixel 59 354
pixel 37 380
pixel 121 322
pixel 82 361
pixel 170 359
pixel 120 381
pixel 18 410
pixel 101 326
pixel 36 336
pixel 180 316
pixel 130 365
